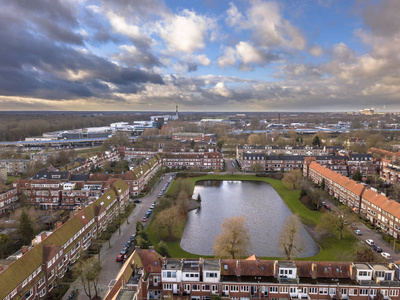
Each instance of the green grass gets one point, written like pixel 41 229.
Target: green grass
pixel 10 179
pixel 331 248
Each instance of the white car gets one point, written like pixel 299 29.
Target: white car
pixel 386 255
pixel 370 242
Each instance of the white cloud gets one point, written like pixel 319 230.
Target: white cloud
pixel 248 54
pixel 185 33
pixel 228 58
pixel 268 25
pixel 221 90
pixel 120 25
pixel 203 60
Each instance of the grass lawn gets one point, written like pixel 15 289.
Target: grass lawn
pixel 332 248
pixel 11 179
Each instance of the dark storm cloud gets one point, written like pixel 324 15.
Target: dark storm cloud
pixel 37 59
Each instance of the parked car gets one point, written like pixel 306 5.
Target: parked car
pixel 328 207
pixel 377 249
pixel 132 237
pixel 370 242
pixel 120 257
pixel 152 206
pixel 358 231
pixel 144 219
pixel 323 203
pixel 386 255
pixel 73 294
pixel 124 251
pixel 128 244
pixel 137 201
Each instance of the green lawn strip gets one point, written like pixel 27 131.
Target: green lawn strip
pixel 331 248
pixel 10 179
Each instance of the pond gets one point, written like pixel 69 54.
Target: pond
pixel 258 202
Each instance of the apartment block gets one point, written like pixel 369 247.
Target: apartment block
pixel 146 275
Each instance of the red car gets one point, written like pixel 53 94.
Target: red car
pixel 144 219
pixel 119 258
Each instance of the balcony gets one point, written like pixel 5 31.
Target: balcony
pixel 283 279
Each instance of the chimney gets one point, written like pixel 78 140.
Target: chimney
pixel 58 224
pixel 137 249
pixel 151 249
pixel 24 249
pixel 43 235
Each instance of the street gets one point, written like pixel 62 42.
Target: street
pixel 108 255
pixel 368 233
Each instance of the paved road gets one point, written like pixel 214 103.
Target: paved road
pixel 368 233
pixel 117 241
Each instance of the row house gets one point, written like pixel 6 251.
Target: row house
pixel 8 199
pixel 367 201
pixel 33 275
pixel 278 150
pixel 192 136
pixel 137 178
pixel 209 160
pixel 365 163
pixel 283 163
pixel 42 193
pixel 141 277
pixel 381 211
pixel 390 172
pixel 251 159
pixel 81 194
pixel 384 153
pixel 15 166
pixel 346 190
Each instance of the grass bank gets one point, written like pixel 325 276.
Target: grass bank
pixel 331 248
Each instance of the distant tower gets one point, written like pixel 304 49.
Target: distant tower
pixel 177 111
pixel 279 118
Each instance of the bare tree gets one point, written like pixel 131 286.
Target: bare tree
pixel 234 240
pixel 336 221
pixel 289 237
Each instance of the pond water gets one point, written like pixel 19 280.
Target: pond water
pixel 258 202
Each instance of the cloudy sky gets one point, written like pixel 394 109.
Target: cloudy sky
pixel 204 55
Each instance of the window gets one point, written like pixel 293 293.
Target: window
pixel 234 288
pixel 211 275
pixel 313 290
pixel 187 287
pixel 41 281
pixel 343 291
pixel 273 289
pixel 214 288
pixel 323 291
pixel 353 292
pixel 206 287
pixel 42 292
pixel 372 292
pixel 332 291
pixel 167 286
pixel 195 287
pixel 394 293
pixel 283 289
pixel 244 288
pixel 363 292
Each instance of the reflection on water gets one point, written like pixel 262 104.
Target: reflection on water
pixel 264 210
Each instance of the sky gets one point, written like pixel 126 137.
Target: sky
pixel 203 55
